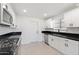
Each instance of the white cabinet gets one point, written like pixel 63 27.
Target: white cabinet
pixel 50 40
pixel 71 47
pixel 46 38
pixel 57 24
pixel 55 42
pixel 71 18
pixel 58 43
pixel 54 22
pixel 64 45
pixel 57 21
pixel 49 23
pixel 68 19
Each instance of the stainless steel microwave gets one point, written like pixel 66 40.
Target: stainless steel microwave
pixel 6 17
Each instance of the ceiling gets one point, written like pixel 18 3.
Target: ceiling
pixel 39 9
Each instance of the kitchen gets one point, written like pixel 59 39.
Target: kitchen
pixel 39 28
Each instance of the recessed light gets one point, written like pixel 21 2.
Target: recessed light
pixel 77 4
pixel 4 6
pixel 24 11
pixel 45 14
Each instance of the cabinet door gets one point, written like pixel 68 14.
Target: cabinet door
pixel 67 21
pixel 71 47
pixel 71 18
pixel 66 46
pixel 61 44
pixel 50 40
pixel 46 38
pixel 0 11
pixel 58 43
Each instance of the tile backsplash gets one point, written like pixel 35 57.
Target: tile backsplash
pixel 5 29
pixel 73 29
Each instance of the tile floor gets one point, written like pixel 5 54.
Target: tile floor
pixel 37 48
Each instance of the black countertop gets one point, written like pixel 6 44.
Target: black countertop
pixel 9 34
pixel 72 36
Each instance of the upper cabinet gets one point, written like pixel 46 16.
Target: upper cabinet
pixel 65 20
pixel 71 18
pixel 7 15
pixel 55 22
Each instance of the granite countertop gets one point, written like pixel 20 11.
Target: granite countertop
pixel 9 34
pixel 72 36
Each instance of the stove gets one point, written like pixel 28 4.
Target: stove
pixel 8 43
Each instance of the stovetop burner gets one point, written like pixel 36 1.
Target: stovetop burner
pixel 9 44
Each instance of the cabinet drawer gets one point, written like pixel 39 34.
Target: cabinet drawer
pixel 71 47
pixel 72 42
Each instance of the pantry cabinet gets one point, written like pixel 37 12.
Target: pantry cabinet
pixel 64 45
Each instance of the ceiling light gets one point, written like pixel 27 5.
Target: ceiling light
pixel 77 4
pixel 45 14
pixel 24 11
pixel 4 6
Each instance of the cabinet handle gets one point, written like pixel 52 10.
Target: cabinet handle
pixel 66 45
pixel 66 40
pixel 52 39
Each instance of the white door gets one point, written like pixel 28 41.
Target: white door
pixel 30 32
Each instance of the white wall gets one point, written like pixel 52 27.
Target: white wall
pixel 23 24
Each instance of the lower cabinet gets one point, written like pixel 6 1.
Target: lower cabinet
pixel 50 40
pixel 58 43
pixel 71 47
pixel 46 38
pixel 64 45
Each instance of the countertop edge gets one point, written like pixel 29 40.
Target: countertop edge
pixel 71 36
